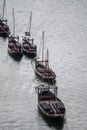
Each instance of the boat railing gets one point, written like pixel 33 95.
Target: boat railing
pixel 44 87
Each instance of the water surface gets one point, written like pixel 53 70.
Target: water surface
pixel 65 26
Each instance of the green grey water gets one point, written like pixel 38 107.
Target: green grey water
pixel 65 25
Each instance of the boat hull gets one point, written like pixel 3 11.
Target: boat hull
pixel 4 34
pixel 50 80
pixel 29 54
pixel 16 56
pixel 51 117
pixel 29 49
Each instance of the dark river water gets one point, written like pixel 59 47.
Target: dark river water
pixel 65 25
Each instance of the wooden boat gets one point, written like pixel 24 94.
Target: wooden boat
pixel 42 68
pixel 49 104
pixel 29 48
pixel 4 28
pixel 14 47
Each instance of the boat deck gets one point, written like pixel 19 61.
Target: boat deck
pixel 54 107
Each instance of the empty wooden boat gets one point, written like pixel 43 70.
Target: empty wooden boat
pixel 4 28
pixel 29 48
pixel 14 47
pixel 42 68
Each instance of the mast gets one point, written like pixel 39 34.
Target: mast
pixel 42 46
pixel 13 22
pixel 47 59
pixel 30 22
pixel 3 10
pixel 47 64
pixel 55 90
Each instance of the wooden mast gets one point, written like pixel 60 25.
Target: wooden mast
pixel 13 22
pixel 47 60
pixel 3 10
pixel 42 46
pixel 47 64
pixel 30 23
